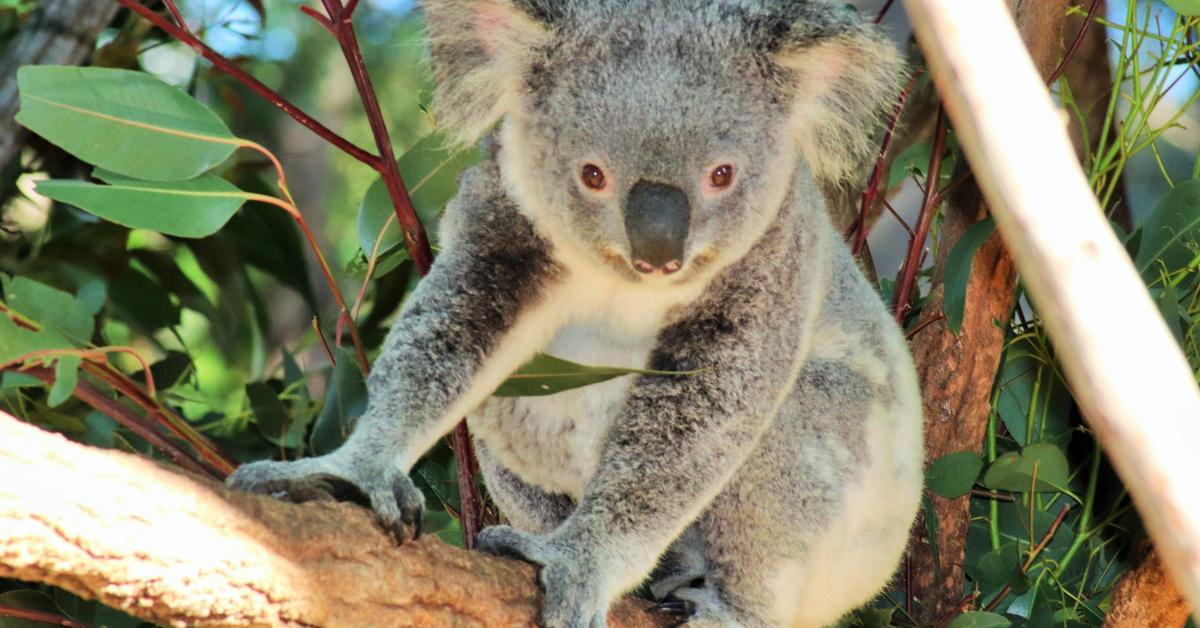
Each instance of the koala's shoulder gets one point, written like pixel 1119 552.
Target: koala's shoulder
pixel 482 216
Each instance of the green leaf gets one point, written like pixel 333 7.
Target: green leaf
pixel 188 209
pixel 547 375
pixel 1184 7
pixel 345 401
pixel 16 341
pixel 127 122
pixel 430 169
pixel 66 374
pixel 1015 472
pixel 953 475
pixel 273 418
pixel 980 619
pixel 958 270
pixel 1164 234
pixel 50 308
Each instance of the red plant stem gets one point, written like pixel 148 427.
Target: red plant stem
pixel 99 401
pixel 39 616
pixel 912 263
pixel 342 27
pixel 883 11
pixel 406 214
pixel 1079 37
pixel 220 465
pixel 232 69
pixel 871 193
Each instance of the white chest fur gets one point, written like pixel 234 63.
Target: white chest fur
pixel 555 441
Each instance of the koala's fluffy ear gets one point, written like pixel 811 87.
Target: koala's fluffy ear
pixel 481 51
pixel 846 76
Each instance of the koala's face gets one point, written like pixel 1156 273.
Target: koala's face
pixel 658 145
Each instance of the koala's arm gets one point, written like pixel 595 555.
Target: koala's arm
pixel 473 320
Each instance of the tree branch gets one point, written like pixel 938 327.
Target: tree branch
pixel 185 551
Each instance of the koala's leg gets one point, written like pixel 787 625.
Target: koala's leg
pixel 482 311
pixel 527 507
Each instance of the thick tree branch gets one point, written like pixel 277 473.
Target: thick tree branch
pixel 1145 596
pixel 1096 309
pixel 184 551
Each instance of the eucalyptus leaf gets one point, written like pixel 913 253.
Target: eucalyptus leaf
pixel 188 209
pixel 124 121
pixel 953 475
pixel 273 418
pixel 430 168
pixel 66 375
pixel 1184 7
pixel 958 270
pixel 345 401
pixel 1167 230
pixel 50 308
pixel 1015 472
pixel 548 375
pixel 17 342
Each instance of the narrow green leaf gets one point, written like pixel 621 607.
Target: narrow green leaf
pixel 1015 472
pixel 952 475
pixel 1174 222
pixel 128 122
pixel 547 375
pixel 273 418
pixel 430 169
pixel 66 374
pixel 188 209
pixel 958 270
pixel 980 619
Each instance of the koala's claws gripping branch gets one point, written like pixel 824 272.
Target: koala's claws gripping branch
pixel 182 551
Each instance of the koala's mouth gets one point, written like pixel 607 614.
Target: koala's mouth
pixel 685 271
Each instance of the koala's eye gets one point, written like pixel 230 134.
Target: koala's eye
pixel 721 177
pixel 592 176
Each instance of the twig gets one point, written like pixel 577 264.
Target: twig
pixel 1079 37
pixel 39 616
pixel 340 25
pixel 99 401
pixel 916 246
pixel 883 11
pixel 872 190
pixel 1033 554
pixel 232 69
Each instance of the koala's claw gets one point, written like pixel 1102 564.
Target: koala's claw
pixel 681 609
pixel 396 501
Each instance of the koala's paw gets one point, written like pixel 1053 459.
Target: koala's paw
pixel 574 597
pixel 394 498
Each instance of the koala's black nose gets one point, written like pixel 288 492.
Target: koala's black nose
pixel 656 221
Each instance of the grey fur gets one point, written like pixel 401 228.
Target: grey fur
pixel 774 483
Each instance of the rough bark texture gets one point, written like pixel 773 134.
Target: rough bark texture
pixel 1146 596
pixel 58 32
pixel 956 370
pixel 176 550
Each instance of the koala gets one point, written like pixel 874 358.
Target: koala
pixel 650 198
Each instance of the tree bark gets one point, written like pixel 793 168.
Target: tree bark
pixel 186 551
pixel 58 32
pixel 1145 596
pixel 956 371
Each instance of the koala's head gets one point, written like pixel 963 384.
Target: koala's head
pixel 662 137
